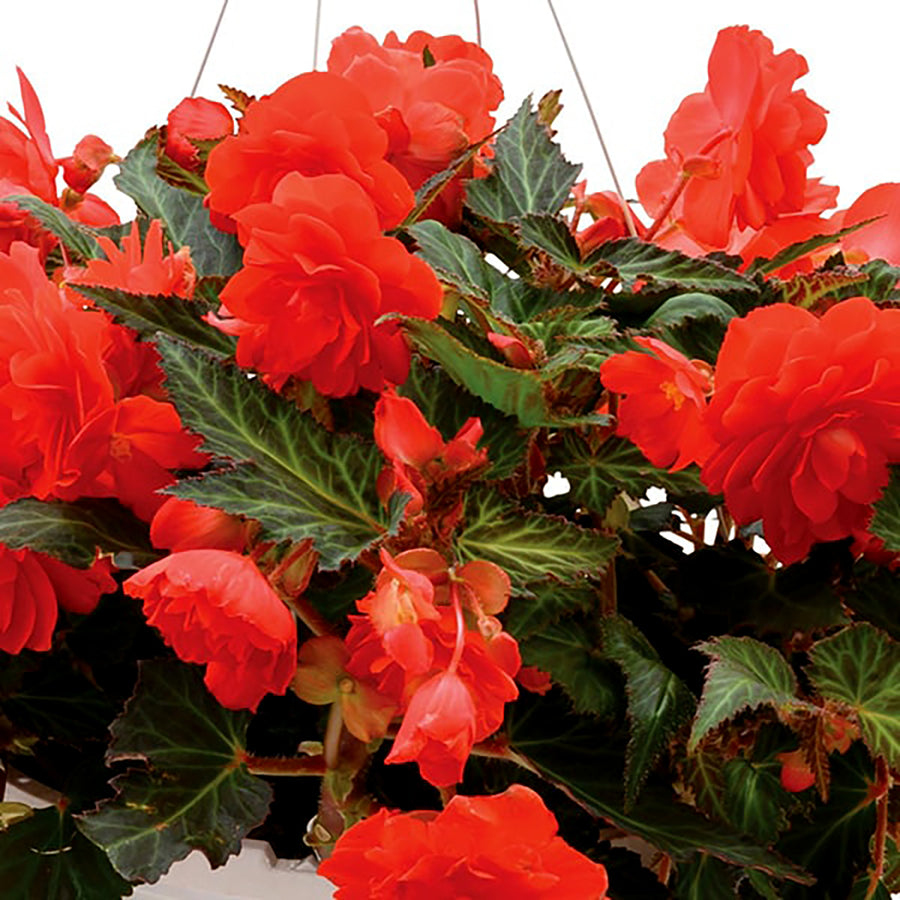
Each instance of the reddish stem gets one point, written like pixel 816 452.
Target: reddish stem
pixel 881 825
pixel 460 629
pixel 285 765
pixel 683 179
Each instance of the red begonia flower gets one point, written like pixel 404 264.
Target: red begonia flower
pixel 751 132
pixel 438 729
pixel 318 273
pixel 505 845
pixel 195 119
pixel 184 525
pixel 796 773
pixel 418 455
pixel 432 95
pixel 314 124
pixel 86 164
pixel 27 602
pixel 27 166
pixel 881 239
pixel 79 590
pixel 127 451
pixel 402 598
pixel 805 420
pixel 32 585
pixel 52 372
pixel 415 648
pixel 216 608
pixel 606 210
pixel 151 269
pixel 664 404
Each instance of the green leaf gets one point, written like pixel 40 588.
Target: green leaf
pixel 860 890
pixel 45 856
pixel 798 598
pixel 76 238
pixel 882 283
pixel 755 798
pixel 552 235
pixel 73 532
pixel 529 174
pixel 516 392
pixel 430 190
pixel 630 260
pixel 886 521
pixel 445 407
pixel 458 261
pixel 57 702
pixel 806 289
pixel 569 323
pixel 599 471
pixel 579 754
pixel 801 248
pixel 150 314
pixel 529 546
pixel 705 878
pixel 197 793
pixel 873 597
pixel 833 839
pixel 567 651
pixel 186 220
pixel 743 674
pixel 659 702
pixel 676 310
pixel 860 666
pixel 290 473
pixel 762 884
pixel 546 602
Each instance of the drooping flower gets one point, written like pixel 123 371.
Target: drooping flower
pixel 433 96
pixel 401 601
pixel 737 153
pixel 318 273
pixel 215 608
pixel 505 845
pixel 194 121
pixel 420 458
pixel 416 647
pixel 805 420
pixel 664 404
pixel 314 124
pixel 607 211
pixel 87 162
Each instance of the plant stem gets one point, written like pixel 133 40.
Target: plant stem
pixel 882 780
pixel 333 735
pixel 609 601
pixel 285 765
pixel 667 207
